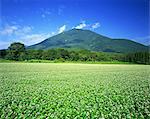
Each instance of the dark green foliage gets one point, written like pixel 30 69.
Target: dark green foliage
pixel 74 56
pixel 85 39
pixel 139 57
pixel 80 55
pixel 3 54
pixel 34 54
pixel 16 51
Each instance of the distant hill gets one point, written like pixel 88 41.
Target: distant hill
pixel 86 39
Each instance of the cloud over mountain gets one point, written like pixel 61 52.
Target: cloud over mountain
pixel 62 29
pixel 81 25
pixel 96 25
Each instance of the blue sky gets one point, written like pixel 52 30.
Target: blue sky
pixel 31 21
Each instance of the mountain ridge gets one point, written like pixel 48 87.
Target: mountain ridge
pixel 86 39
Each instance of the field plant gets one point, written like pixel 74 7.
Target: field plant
pixel 74 91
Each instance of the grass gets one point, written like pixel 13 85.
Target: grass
pixel 57 61
pixel 51 90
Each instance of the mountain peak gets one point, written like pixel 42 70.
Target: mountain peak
pixel 77 30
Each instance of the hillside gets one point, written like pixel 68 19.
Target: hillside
pixel 86 39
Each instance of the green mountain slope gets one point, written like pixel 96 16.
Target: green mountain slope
pixel 85 39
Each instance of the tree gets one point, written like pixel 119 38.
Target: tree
pixel 138 57
pixel 74 56
pixel 62 53
pixel 2 54
pixel 16 51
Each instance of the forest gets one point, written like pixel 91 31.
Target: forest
pixel 18 52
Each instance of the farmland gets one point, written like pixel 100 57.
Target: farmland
pixel 55 90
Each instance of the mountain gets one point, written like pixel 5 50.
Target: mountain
pixel 86 39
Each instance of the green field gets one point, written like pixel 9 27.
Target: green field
pixel 51 90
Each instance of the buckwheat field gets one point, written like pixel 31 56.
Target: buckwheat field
pixel 60 91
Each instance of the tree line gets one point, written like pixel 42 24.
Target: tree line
pixel 18 52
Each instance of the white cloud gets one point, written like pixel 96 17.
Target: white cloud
pixel 62 29
pixel 84 25
pixel 15 30
pixel 35 38
pixel 53 33
pixel 16 33
pixel 96 25
pixel 23 30
pixel 81 25
pixel 27 39
pixel 27 29
pixel 8 30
